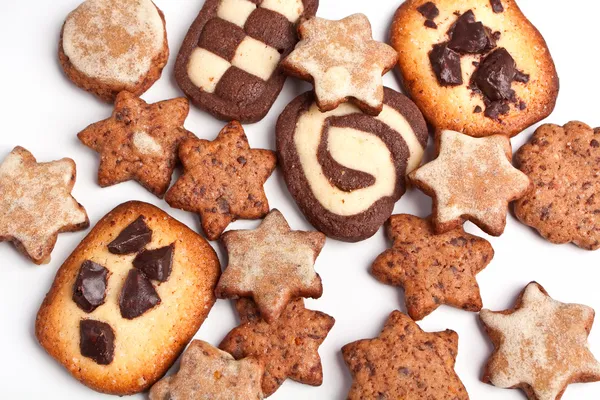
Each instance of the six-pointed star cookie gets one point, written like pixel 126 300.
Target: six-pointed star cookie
pixel 471 179
pixel 432 269
pixel 404 362
pixel 343 61
pixel 139 141
pixel 540 345
pixel 271 264
pixel 209 373
pixel 36 203
pixel 222 180
pixel 288 347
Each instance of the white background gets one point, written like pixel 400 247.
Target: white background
pixel 43 111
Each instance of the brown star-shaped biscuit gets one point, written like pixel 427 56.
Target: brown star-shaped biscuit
pixel 271 264
pixel 36 203
pixel 139 141
pixel 564 205
pixel 209 373
pixel 343 61
pixel 432 269
pixel 471 179
pixel 222 180
pixel 404 362
pixel 288 347
pixel 540 345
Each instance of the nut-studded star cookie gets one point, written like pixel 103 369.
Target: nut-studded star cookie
pixel 540 345
pixel 36 203
pixel 288 347
pixel 404 362
pixel 432 269
pixel 564 205
pixel 222 180
pixel 271 264
pixel 471 179
pixel 139 141
pixel 209 373
pixel 343 61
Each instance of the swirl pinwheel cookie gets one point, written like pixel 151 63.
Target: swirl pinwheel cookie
pixel 346 169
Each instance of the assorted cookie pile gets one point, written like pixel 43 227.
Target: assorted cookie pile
pixel 477 71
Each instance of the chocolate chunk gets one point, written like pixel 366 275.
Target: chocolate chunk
pixel 521 77
pixel 155 264
pixel 496 108
pixel 495 75
pixel 522 105
pixel 89 290
pixel 430 24
pixel 96 341
pixel 497 6
pixel 477 110
pixel 446 65
pixel 429 10
pixel 138 295
pixel 468 36
pixel 131 239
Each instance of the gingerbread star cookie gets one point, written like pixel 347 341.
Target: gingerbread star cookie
pixel 471 179
pixel 139 141
pixel 540 345
pixel 288 347
pixel 209 373
pixel 223 180
pixel 36 203
pixel 404 362
pixel 432 269
pixel 564 205
pixel 343 61
pixel 271 264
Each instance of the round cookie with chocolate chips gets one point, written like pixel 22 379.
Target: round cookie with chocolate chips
pixel 474 66
pixel 346 169
pixel 107 46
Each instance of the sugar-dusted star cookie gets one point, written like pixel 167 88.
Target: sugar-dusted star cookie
pixel 139 141
pixel 432 269
pixel 404 362
pixel 36 203
pixel 343 61
pixel 271 264
pixel 540 345
pixel 288 347
pixel 471 179
pixel 223 180
pixel 209 373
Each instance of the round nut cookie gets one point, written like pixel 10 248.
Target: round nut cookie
pixel 107 46
pixel 474 66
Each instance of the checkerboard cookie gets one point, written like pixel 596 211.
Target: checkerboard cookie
pixel 228 64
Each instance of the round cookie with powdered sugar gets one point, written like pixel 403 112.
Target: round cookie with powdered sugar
pixel 107 46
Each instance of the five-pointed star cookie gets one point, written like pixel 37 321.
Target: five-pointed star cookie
pixel 432 269
pixel 209 373
pixel 222 180
pixel 343 61
pixel 404 362
pixel 36 203
pixel 471 179
pixel 139 141
pixel 540 345
pixel 271 264
pixel 288 347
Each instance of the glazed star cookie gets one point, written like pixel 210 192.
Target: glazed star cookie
pixel 474 66
pixel 287 347
pixel 228 64
pixel 343 61
pixel 404 362
pixel 271 264
pixel 432 269
pixel 36 203
pixel 540 345
pixel 471 179
pixel 222 180
pixel 107 46
pixel 347 169
pixel 209 373
pixel 564 205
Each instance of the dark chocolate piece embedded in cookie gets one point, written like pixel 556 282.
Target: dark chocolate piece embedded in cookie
pixel 446 65
pixel 470 36
pixel 97 341
pixel 89 291
pixel 137 295
pixel 131 239
pixel 156 264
